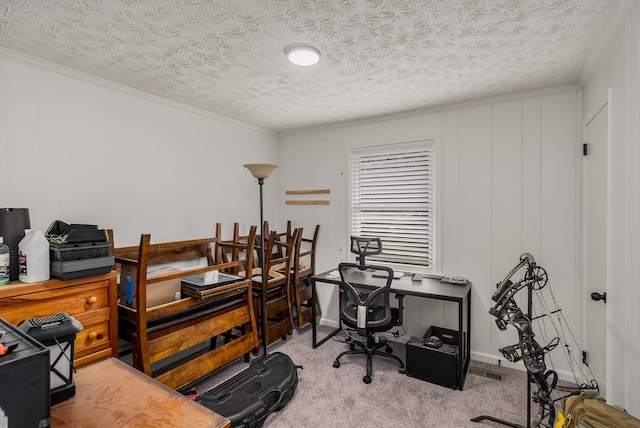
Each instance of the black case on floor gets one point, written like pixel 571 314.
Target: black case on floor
pixel 250 396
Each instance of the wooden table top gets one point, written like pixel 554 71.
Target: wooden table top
pixel 110 393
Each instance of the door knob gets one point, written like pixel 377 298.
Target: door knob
pixel 599 296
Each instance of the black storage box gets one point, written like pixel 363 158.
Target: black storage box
pixel 253 394
pixel 72 269
pixel 88 250
pixel 435 364
pixel 24 380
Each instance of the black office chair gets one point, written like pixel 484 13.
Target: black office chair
pixel 368 311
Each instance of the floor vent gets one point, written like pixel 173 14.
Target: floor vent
pixel 484 373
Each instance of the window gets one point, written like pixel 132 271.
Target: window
pixel 392 197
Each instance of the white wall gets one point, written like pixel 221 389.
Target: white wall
pixel 77 149
pixel 616 68
pixel 510 184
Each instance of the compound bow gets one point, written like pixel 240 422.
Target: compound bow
pixel 532 354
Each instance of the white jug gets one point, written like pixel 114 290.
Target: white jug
pixel 33 257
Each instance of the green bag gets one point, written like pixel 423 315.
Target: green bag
pixel 582 412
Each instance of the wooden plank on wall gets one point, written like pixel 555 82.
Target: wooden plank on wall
pixel 308 192
pixel 308 202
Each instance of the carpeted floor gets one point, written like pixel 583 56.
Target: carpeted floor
pixel 329 397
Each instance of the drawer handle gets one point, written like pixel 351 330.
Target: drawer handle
pixel 92 300
pixel 93 335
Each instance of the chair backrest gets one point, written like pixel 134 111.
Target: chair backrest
pixel 285 246
pixel 306 251
pixel 267 250
pixel 280 236
pixel 372 306
pixel 239 249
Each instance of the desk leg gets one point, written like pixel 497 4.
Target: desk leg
pixel 468 331
pixel 462 356
pixel 314 299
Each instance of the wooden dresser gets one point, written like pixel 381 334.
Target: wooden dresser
pixel 91 300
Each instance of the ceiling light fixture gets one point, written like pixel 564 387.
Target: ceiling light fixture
pixel 302 55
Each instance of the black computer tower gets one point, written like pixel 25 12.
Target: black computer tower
pixel 434 364
pixel 24 379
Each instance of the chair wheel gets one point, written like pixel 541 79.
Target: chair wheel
pixel 366 379
pixel 402 370
pixel 336 364
pixel 389 349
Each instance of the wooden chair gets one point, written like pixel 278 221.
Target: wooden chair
pixel 277 315
pixel 159 332
pixel 304 267
pixel 278 250
pixel 236 249
pixel 239 254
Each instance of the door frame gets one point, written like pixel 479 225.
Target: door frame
pixel 586 298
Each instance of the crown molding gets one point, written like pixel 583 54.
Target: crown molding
pixel 438 109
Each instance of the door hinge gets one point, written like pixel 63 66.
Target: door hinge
pixel 585 150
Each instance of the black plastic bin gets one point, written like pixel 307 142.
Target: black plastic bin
pixel 435 364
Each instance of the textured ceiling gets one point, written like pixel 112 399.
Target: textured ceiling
pixel 378 56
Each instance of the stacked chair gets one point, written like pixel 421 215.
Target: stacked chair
pixel 303 267
pixel 302 273
pixel 277 314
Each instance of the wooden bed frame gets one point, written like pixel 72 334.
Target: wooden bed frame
pixel 156 333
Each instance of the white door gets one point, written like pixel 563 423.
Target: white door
pixel 595 244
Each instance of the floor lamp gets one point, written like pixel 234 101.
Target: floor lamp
pixel 262 171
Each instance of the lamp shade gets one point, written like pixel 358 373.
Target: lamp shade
pixel 260 170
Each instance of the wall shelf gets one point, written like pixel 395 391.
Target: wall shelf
pixel 308 201
pixel 308 192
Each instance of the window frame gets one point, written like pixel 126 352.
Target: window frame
pixel 434 143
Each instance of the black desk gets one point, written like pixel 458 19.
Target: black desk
pixel 428 288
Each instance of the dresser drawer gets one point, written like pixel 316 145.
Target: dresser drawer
pixel 94 337
pixel 81 302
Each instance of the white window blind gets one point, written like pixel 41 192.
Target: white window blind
pixel 392 198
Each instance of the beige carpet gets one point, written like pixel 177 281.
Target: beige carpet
pixel 330 397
